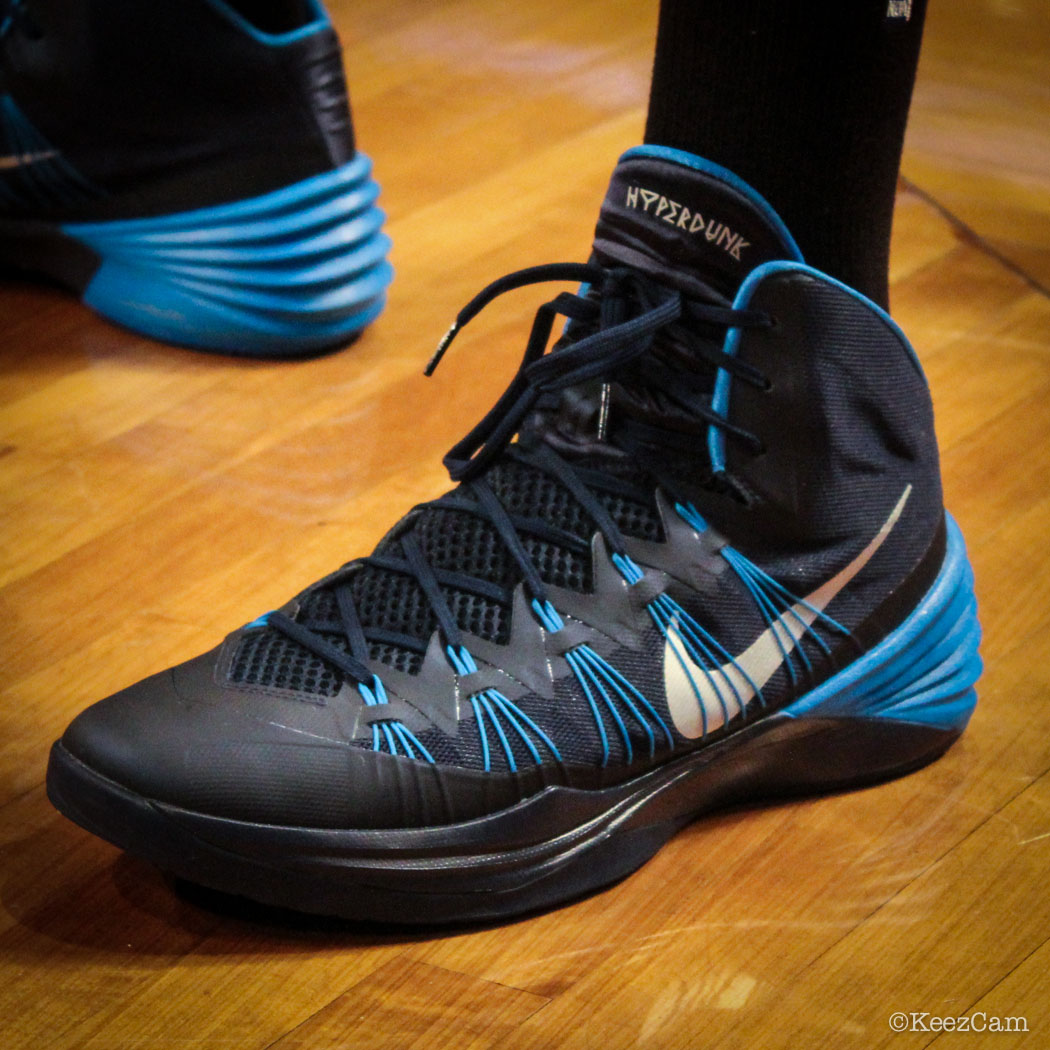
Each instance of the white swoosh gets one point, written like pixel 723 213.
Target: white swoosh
pixel 21 160
pixel 690 699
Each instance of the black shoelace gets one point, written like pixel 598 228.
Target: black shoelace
pixel 613 327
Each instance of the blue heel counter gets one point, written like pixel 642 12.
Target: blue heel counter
pixel 295 271
pixel 924 671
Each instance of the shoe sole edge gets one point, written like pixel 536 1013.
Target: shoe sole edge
pixel 399 877
pixel 291 273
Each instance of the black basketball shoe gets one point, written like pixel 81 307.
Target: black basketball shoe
pixel 697 555
pixel 188 168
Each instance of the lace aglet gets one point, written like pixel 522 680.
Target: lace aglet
pixel 603 413
pixel 439 353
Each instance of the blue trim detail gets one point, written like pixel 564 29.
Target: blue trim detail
pixel 491 703
pixel 708 167
pixel 479 720
pixel 691 516
pixel 461 660
pixel 547 616
pixel 394 731
pixel 513 713
pixel 294 271
pixel 775 602
pixel 627 568
pixel 573 659
pixel 925 670
pixel 388 736
pixel 706 653
pixel 499 701
pixel 320 21
pixel 720 397
pixel 259 621
pixel 508 752
pixel 597 677
pixel 369 697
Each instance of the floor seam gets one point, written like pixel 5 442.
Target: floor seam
pixel 969 234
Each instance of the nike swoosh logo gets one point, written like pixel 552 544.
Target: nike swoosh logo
pixel 23 160
pixel 722 693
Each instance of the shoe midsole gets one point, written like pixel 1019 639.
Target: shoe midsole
pixel 296 269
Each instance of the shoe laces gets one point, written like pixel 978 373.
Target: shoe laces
pixel 625 332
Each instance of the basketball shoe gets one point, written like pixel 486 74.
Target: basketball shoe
pixel 696 556
pixel 189 170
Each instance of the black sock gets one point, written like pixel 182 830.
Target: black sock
pixel 805 101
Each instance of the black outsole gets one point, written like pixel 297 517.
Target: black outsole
pixel 547 850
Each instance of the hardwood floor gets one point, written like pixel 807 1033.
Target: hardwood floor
pixel 152 498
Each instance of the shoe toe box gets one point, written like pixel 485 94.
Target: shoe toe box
pixel 189 738
pixel 183 738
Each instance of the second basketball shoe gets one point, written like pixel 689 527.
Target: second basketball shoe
pixel 696 556
pixel 188 168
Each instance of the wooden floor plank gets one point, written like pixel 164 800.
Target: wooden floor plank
pixel 408 1005
pixel 1022 989
pixel 979 132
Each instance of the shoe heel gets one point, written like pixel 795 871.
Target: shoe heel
pixel 923 673
pixel 291 273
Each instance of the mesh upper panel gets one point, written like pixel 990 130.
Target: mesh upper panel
pixel 478 615
pixel 268 658
pixel 396 657
pixel 632 517
pixel 318 605
pixel 465 543
pixel 529 492
pixel 454 541
pixel 391 601
pixel 557 566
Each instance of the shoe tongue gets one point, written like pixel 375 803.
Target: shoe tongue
pixel 687 223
